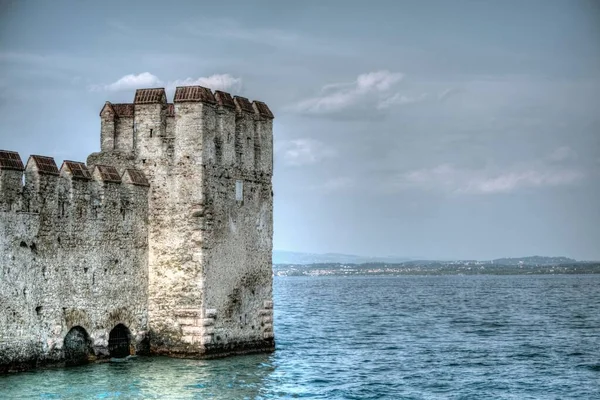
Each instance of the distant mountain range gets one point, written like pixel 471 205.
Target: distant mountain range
pixel 299 258
pixel 293 257
pixel 534 260
pixel 286 263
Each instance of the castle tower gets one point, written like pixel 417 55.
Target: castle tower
pixel 160 243
pixel 208 159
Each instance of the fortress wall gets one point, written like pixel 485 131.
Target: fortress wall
pixel 124 134
pixel 237 247
pixel 245 121
pixel 121 161
pixel 185 260
pixel 20 336
pixel 78 259
pixel 107 128
pixel 225 130
pixel 210 255
pixel 10 190
pixel 175 253
pixel 170 126
pixel 149 129
pixel 206 251
pixel 168 140
pixel 244 133
pixel 264 139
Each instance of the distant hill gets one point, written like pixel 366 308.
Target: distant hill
pixel 504 266
pixel 534 260
pixel 293 257
pixel 299 258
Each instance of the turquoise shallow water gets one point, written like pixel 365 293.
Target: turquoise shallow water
pixel 454 337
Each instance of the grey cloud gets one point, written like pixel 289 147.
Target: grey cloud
pixel 370 95
pixel 129 82
pixel 487 181
pixel 148 80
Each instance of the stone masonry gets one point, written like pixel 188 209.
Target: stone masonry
pixel 160 244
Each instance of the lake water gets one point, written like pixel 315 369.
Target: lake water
pixel 454 337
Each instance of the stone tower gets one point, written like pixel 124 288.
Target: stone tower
pixel 161 244
pixel 209 160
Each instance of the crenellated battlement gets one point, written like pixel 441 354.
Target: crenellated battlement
pixel 112 111
pixel 166 231
pixel 40 186
pixel 238 131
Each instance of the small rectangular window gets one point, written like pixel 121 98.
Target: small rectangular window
pixel 239 190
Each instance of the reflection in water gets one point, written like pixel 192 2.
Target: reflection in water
pixel 146 378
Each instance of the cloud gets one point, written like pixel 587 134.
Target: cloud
pixel 147 80
pixel 400 100
pixel 379 81
pixel 369 93
pixel 129 82
pixel 448 178
pixel 511 181
pixel 215 82
pixel 303 151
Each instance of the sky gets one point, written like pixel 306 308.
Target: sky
pixel 423 129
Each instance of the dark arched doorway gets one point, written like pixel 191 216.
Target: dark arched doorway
pixel 77 346
pixel 119 341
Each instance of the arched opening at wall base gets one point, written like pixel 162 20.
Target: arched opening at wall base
pixel 119 342
pixel 77 346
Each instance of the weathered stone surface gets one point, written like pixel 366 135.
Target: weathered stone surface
pixel 72 256
pixel 184 264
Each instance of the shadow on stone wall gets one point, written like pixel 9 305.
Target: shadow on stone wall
pixel 77 346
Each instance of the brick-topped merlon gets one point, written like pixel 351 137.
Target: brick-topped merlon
pixel 40 186
pixel 135 177
pixel 107 111
pixel 194 94
pixel 150 96
pixel 124 110
pixel 77 170
pixel 262 109
pixel 107 173
pixel 43 164
pixel 185 94
pixel 11 160
pixel 119 110
pixel 224 99
pixel 242 104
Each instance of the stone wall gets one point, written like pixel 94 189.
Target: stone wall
pixel 238 231
pixel 73 254
pixel 210 279
pixel 187 259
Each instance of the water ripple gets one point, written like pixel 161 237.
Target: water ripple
pixel 454 337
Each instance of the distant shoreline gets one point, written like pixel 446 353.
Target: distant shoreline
pixel 433 269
